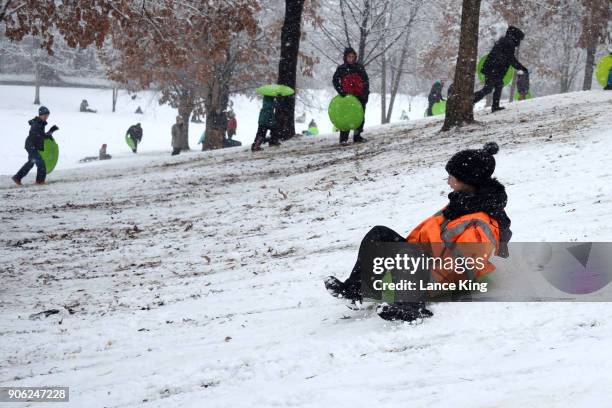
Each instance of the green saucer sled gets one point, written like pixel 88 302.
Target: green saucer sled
pixel 438 108
pixel 130 142
pixel 602 70
pixel 50 154
pixel 516 95
pixel 507 77
pixel 346 112
pixel 275 90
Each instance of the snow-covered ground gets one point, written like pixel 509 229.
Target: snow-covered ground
pixel 82 134
pixel 196 280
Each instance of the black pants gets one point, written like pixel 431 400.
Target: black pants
pixel 491 84
pixel 175 151
pixel 262 131
pixel 345 134
pixel 377 234
pixel 33 159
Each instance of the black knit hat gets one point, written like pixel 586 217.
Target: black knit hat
pixel 43 110
pixel 473 166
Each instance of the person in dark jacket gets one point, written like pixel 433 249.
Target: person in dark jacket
pixel 35 143
pixel 135 133
pixel 450 91
pixel 351 78
pixel 499 60
pixel 267 122
pixel 435 95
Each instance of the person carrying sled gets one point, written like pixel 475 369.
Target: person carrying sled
pixel 134 132
pixel 267 122
pixel 474 215
pixel 498 61
pixel 177 132
pixel 34 143
pixel 435 95
pixel 351 78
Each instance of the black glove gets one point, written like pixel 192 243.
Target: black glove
pixel 53 129
pixel 342 94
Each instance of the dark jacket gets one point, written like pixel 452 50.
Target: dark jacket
pixel 435 95
pixel 266 114
pixel 36 137
pixel 502 56
pixel 352 79
pixel 135 132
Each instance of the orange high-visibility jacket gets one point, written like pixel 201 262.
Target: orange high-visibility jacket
pixel 477 235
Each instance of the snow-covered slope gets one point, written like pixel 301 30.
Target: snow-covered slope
pixel 197 280
pixel 82 134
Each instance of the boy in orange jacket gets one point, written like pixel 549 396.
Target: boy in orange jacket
pixel 475 214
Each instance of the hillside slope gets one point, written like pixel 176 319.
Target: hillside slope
pixel 197 280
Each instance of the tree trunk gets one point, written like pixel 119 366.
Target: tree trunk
pixel 398 76
pixel 36 83
pixel 383 90
pixel 363 31
pixel 589 67
pixel 287 67
pixel 460 106
pixel 184 110
pixel 115 95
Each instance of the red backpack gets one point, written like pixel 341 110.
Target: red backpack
pixel 352 84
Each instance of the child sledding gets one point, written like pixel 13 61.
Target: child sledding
pixel 474 215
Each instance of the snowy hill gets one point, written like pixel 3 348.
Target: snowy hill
pixel 82 134
pixel 196 280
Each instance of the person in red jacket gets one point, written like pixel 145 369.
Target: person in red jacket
pixel 232 125
pixel 475 214
pixel 351 78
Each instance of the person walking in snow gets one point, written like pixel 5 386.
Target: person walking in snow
pixel 475 214
pixel 177 132
pixel 351 78
pixel 35 143
pixel 435 95
pixel 498 61
pixel 134 132
pixel 267 122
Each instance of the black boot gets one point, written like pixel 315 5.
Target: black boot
pixel 344 138
pixel 406 311
pixel 339 289
pixel 358 139
pixel 497 108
